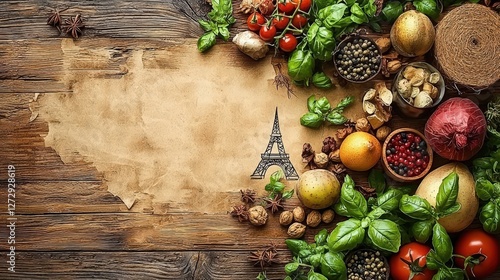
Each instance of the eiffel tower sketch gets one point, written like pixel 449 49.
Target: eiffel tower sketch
pixel 281 159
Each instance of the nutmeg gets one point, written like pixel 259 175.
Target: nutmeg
pixel 327 216
pixel 313 218
pixel 286 218
pixel 296 230
pixel 258 215
pixel 299 214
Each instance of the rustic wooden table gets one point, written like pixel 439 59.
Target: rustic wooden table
pixel 68 225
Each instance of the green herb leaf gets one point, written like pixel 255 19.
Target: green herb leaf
pixel 484 162
pixel 321 41
pixel 336 118
pixel 353 200
pixel 422 230
pixel 341 210
pixel 441 242
pixel 301 65
pixel 385 235
pixel 320 4
pixel 311 120
pixel 448 192
pixel 315 260
pixel 346 236
pixel 320 237
pixel 206 41
pixel 370 9
pixel 323 105
pixel 316 276
pixel 389 200
pixel 490 216
pixel 453 209
pixel 376 180
pixel 485 190
pixel 416 207
pixel 346 101
pixel 357 14
pixel 291 267
pixel 205 25
pixel 321 80
pixel 224 33
pixel 296 245
pixel 288 194
pixel 376 213
pixel 333 266
pixel 276 177
pixel 332 14
pixel 428 7
pixel 391 11
pixel 434 262
pixel 311 103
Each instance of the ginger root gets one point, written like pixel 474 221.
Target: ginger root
pixel 251 44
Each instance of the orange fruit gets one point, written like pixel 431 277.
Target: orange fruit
pixel 360 151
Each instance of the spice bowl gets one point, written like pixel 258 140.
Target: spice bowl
pixel 417 88
pixel 357 59
pixel 406 157
pixel 367 264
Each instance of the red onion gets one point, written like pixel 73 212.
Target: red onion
pixel 456 130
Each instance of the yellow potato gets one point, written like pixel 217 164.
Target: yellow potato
pixel 318 189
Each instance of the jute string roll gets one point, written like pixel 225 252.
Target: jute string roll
pixel 467 45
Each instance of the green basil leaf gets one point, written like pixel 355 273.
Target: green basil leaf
pixel 484 163
pixel 428 7
pixel 306 253
pixel 453 209
pixel 357 14
pixel 315 260
pixel 206 41
pixel 291 267
pixel 300 65
pixel 416 207
pixel 276 176
pixel 278 187
pixel 321 80
pixel 434 262
pixel 441 242
pixel 341 210
pixel 376 180
pixel 353 200
pixel 323 105
pixel 389 200
pixel 320 237
pixel 385 235
pixel 391 11
pixel 346 101
pixel 224 33
pixel 296 245
pixel 376 213
pixel 320 4
pixel 447 193
pixel 446 273
pixel 370 9
pixel 332 14
pixel 311 120
pixel 456 273
pixel 288 194
pixel 422 230
pixel 485 190
pixel 490 217
pixel 336 118
pixel 315 276
pixel 311 103
pixel 205 25
pixel 347 235
pixel 321 41
pixel 333 266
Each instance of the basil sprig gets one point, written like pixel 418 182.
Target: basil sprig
pixel 487 175
pixel 320 111
pixel 217 25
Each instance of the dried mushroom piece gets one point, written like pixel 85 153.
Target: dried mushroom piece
pixel 423 100
pixel 404 88
pixel 369 107
pixel 434 78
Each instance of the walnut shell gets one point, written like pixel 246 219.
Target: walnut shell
pixel 362 124
pixel 258 215
pixel 313 218
pixel 321 160
pixel 296 230
pixel 328 216
pixel 299 214
pixel 286 218
pixel 382 133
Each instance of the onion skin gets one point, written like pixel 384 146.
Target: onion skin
pixel 412 34
pixel 456 130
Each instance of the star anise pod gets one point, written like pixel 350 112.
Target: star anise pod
pixel 240 212
pixel 247 196
pixel 275 204
pixel 266 257
pixel 73 26
pixel 55 19
pixel 258 258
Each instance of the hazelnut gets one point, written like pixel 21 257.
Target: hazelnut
pixel 321 160
pixel 286 218
pixel 328 216
pixel 362 124
pixel 313 218
pixel 258 215
pixel 334 156
pixel 299 214
pixel 382 133
pixel 296 230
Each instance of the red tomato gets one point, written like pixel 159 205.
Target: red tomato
pixel 478 246
pixel 255 21
pixel 411 259
pixel 280 21
pixel 267 33
pixel 286 7
pixel 305 5
pixel 299 21
pixel 288 42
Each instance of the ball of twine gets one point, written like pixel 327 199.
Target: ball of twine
pixel 467 45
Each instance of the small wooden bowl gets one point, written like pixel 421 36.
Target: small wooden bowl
pixel 350 255
pixel 393 175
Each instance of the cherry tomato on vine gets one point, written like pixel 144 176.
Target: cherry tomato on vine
pixel 280 21
pixel 286 7
pixel 481 251
pixel 299 21
pixel 267 33
pixel 255 21
pixel 305 5
pixel 288 42
pixel 410 262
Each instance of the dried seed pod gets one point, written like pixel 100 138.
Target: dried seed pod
pixel 286 218
pixel 382 133
pixel 258 215
pixel 296 230
pixel 362 124
pixel 321 160
pixel 327 216
pixel 313 218
pixel 434 78
pixel 299 214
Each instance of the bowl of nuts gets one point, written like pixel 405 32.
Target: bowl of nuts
pixel 417 87
pixel 367 264
pixel 357 59
pixel 406 157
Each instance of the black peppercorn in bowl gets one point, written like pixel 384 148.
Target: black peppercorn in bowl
pixel 357 59
pixel 367 264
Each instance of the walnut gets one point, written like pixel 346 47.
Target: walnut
pixel 362 124
pixel 328 216
pixel 296 230
pixel 321 160
pixel 258 215
pixel 286 218
pixel 334 156
pixel 329 145
pixel 307 153
pixel 299 214
pixel 343 132
pixel 313 218
pixel 382 133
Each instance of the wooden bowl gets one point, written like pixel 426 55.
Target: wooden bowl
pixel 350 255
pixel 393 175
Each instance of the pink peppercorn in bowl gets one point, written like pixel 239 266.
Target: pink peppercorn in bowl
pixel 406 157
